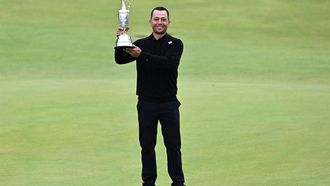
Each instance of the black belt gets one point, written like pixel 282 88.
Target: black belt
pixel 158 99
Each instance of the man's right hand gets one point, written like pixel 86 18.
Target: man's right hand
pixel 121 31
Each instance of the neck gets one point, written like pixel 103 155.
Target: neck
pixel 158 36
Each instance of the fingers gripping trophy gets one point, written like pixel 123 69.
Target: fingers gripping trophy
pixel 123 39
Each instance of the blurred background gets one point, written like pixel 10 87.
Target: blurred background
pixel 254 85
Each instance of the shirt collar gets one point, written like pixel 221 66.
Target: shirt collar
pixel 161 39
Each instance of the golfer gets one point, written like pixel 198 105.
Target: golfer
pixel 157 60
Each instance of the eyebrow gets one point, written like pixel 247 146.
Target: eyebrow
pixel 160 17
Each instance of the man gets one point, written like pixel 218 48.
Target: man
pixel 157 61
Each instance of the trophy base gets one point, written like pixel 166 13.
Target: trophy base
pixel 123 47
pixel 124 41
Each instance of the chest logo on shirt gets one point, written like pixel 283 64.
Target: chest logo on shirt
pixel 170 42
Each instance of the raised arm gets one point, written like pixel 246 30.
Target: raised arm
pixel 122 57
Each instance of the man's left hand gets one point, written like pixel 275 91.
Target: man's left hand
pixel 134 52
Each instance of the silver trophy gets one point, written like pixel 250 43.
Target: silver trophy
pixel 124 40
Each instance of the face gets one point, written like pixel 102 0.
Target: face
pixel 159 21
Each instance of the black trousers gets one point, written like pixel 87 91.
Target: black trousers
pixel 167 113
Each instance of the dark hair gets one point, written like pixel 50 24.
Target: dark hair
pixel 160 8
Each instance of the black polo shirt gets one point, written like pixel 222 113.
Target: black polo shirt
pixel 157 66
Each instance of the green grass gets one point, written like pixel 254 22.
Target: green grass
pixel 254 85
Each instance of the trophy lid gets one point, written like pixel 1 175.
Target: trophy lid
pixel 123 5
